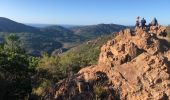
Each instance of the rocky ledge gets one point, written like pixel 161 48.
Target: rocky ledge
pixel 135 65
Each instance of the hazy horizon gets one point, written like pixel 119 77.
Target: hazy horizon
pixel 89 12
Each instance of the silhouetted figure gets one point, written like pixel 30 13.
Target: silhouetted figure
pixel 143 22
pixel 154 22
pixel 137 22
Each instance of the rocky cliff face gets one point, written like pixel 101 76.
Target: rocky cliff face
pixel 133 66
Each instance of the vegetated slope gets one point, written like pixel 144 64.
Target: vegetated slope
pixel 36 44
pixel 132 66
pixel 47 39
pixel 93 31
pixel 76 58
pixel 85 54
pixel 62 34
pixel 35 40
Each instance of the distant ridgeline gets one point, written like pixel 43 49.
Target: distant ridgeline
pixel 39 40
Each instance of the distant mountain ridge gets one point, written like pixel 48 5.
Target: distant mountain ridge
pixel 7 25
pixel 47 25
pixel 37 40
pixel 97 30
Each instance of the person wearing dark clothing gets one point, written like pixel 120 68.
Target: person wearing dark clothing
pixel 154 22
pixel 137 22
pixel 143 22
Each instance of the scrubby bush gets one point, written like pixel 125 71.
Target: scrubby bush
pixel 15 70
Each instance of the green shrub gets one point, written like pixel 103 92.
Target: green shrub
pixel 15 70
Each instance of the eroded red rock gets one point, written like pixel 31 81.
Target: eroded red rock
pixel 137 65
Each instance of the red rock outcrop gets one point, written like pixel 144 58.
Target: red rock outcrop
pixel 137 64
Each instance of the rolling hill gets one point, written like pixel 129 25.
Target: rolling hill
pixel 50 38
pixel 39 40
pixel 7 25
pixel 92 31
pixel 61 33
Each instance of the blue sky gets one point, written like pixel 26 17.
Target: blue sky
pixel 85 12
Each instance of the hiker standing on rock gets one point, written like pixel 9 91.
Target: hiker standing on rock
pixel 154 22
pixel 143 22
pixel 137 22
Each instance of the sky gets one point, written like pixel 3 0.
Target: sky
pixel 85 12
